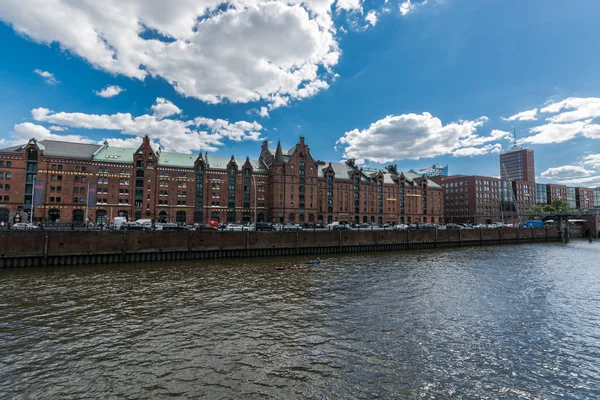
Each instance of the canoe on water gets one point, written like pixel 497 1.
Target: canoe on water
pixel 292 267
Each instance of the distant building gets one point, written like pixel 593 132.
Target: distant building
pixel 517 165
pixel 434 170
pixel 470 199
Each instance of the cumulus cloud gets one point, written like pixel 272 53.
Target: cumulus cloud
pixel 164 108
pixel 572 175
pixel 110 91
pixel 57 128
pixel 26 130
pixel 558 133
pixel 566 172
pixel 565 120
pixel 477 151
pixel 349 5
pixel 237 51
pixel 592 160
pixel 372 17
pixel 529 115
pixel 264 112
pixel 406 7
pixel 48 77
pixel 579 109
pixel 173 134
pixel 415 136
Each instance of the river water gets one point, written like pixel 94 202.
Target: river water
pixel 511 322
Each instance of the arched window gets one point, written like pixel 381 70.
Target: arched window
pixel 215 216
pixel 260 217
pixel 78 216
pixel 180 217
pixel 292 219
pixel 162 217
pixel 100 217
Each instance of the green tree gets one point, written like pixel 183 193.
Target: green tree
pixel 559 205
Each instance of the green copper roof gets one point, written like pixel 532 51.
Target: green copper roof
pixel 115 155
pixel 168 159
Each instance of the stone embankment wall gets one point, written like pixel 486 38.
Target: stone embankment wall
pixel 45 248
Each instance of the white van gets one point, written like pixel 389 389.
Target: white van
pixel 118 221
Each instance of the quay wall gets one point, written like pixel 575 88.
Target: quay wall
pixel 47 248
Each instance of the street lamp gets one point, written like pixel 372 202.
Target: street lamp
pixel 255 199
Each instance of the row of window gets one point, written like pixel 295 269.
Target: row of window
pixel 5 175
pixel 166 175
pixel 6 164
pixel 166 202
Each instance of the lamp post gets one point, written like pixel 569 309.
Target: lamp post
pixel 255 200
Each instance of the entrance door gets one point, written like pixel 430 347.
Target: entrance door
pixel 4 215
pixel 54 215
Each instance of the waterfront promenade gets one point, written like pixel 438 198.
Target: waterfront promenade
pixel 46 248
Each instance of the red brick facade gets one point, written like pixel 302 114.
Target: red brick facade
pixel 147 184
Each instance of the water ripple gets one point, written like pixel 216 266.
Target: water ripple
pixel 513 322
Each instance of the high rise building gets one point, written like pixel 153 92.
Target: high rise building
pixel 517 165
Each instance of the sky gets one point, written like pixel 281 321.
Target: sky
pixel 410 83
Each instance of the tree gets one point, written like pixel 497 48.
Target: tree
pixel 559 205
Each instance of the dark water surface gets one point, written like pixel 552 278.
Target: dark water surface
pixel 512 322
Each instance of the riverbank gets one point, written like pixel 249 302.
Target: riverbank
pixel 45 248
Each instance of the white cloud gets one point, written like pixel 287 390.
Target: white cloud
pixel 566 172
pixel 372 17
pixel 529 115
pixel 581 109
pixel 264 112
pixel 48 77
pixel 558 133
pixel 57 128
pixel 245 51
pixel 593 160
pixel 573 175
pixel 406 7
pixel 172 134
pixel 477 151
pixel 26 130
pixel 415 136
pixel 164 108
pixel 349 5
pixel 110 91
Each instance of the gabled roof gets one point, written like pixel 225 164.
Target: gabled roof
pixel 12 149
pixel 215 162
pixel 56 148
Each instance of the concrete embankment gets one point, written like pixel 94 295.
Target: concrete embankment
pixel 46 248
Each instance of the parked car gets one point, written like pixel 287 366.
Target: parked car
pixel 340 227
pixel 291 227
pixel 205 227
pixel 131 226
pixel 400 227
pixel 264 226
pixel 173 227
pixel 24 226
pixel 234 227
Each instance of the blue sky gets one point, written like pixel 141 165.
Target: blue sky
pixel 383 82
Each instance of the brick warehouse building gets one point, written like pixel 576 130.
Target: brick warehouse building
pixel 74 182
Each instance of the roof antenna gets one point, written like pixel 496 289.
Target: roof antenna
pixel 515 145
